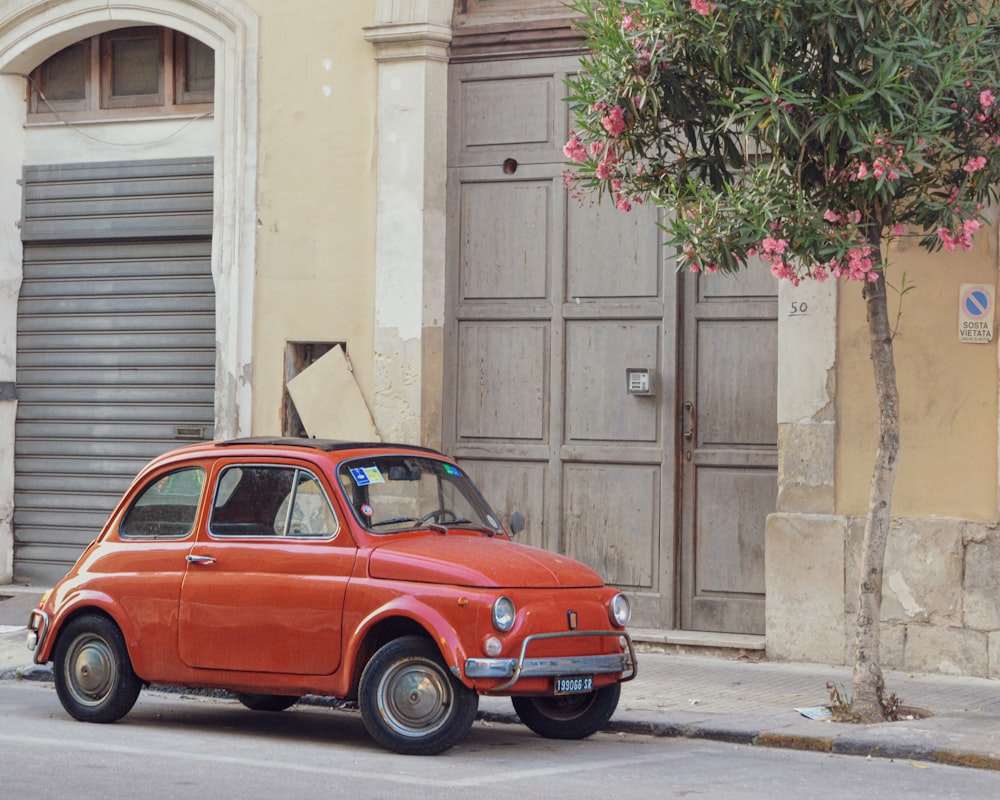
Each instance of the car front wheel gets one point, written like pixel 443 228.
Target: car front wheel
pixel 93 673
pixel 568 716
pixel 411 703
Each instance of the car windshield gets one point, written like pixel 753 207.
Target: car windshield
pixel 392 493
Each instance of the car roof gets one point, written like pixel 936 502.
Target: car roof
pixel 325 445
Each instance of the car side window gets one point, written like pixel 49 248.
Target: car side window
pixel 166 508
pixel 310 515
pixel 268 500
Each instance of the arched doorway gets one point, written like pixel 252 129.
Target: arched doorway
pixel 227 240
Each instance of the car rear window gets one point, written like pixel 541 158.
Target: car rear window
pixel 167 507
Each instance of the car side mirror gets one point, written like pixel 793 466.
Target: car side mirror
pixel 517 523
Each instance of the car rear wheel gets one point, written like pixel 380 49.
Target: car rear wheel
pixel 267 702
pixel 568 716
pixel 93 673
pixel 411 703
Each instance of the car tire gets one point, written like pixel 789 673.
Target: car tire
pixel 267 702
pixel 568 716
pixel 411 703
pixel 93 672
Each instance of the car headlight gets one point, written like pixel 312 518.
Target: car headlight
pixel 619 610
pixel 504 614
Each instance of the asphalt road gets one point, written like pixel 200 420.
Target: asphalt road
pixel 176 746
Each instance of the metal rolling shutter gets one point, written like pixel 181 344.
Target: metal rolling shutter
pixel 115 343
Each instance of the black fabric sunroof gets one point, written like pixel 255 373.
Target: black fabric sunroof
pixel 327 445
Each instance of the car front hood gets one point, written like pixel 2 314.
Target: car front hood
pixel 462 559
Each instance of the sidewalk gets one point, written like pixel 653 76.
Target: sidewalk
pixel 728 700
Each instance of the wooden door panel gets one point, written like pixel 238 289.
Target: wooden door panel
pixel 507 111
pixel 756 281
pixel 510 486
pixel 504 239
pixel 610 254
pixel 504 369
pixel 611 520
pixel 730 555
pixel 598 407
pixel 737 379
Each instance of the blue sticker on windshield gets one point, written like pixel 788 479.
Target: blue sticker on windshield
pixel 366 475
pixel 451 470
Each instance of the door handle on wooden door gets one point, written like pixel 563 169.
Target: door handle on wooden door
pixel 689 420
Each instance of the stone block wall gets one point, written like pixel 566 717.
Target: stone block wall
pixel 941 592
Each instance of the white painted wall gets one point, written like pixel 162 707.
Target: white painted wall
pixel 12 135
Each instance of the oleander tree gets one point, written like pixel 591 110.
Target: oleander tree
pixel 801 136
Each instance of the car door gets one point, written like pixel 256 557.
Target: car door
pixel 265 581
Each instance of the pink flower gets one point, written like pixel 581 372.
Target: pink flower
pixel 703 7
pixel 831 216
pixel 986 98
pixel 614 121
pixel 771 246
pixel 947 239
pixel 975 164
pixel 899 229
pixel 574 149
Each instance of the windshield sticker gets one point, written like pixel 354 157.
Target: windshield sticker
pixel 363 476
pixel 367 510
pixel 451 470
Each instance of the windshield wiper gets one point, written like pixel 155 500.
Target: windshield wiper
pixel 393 521
pixel 467 523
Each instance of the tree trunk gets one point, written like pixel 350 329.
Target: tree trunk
pixel 868 686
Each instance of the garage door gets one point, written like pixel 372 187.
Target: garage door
pixel 115 343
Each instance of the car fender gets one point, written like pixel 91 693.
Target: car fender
pixel 436 624
pixel 74 603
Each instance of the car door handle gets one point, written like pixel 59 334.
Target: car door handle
pixel 200 559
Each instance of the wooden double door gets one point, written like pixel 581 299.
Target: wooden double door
pixel 556 308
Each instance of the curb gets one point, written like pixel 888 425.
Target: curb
pixel 28 672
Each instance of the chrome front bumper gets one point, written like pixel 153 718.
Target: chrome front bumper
pixel 523 667
pixel 38 626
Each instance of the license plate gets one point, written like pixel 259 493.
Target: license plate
pixel 575 684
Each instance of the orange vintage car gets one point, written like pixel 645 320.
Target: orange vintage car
pixel 277 568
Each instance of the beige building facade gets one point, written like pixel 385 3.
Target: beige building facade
pixel 360 153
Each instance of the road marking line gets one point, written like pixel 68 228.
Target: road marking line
pixel 503 776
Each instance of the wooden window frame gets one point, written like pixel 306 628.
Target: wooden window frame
pixel 101 104
pixel 108 98
pixel 183 96
pixel 39 104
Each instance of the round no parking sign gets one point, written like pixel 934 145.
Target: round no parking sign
pixel 975 313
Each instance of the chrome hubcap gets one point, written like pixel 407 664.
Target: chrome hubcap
pixel 414 698
pixel 90 669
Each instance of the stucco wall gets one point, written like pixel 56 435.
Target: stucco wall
pixel 316 192
pixel 948 392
